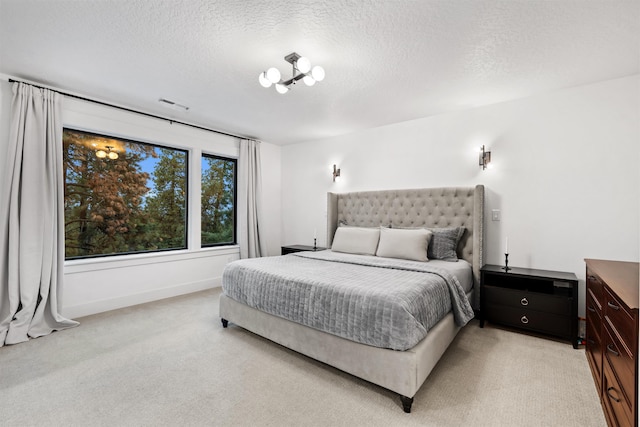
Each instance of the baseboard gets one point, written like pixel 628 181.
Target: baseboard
pixel 95 307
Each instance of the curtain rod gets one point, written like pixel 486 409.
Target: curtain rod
pixel 70 95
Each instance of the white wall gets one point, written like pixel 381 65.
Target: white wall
pixel 565 176
pixel 92 286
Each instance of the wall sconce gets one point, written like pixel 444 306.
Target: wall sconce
pixel 485 158
pixel 101 154
pixel 301 70
pixel 336 174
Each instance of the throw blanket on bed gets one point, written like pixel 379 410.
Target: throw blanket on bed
pixel 381 302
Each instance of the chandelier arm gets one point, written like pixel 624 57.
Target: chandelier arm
pixel 293 79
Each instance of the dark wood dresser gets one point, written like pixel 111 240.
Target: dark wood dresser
pixel 612 337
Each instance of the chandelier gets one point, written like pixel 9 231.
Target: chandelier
pixel 301 70
pixel 101 154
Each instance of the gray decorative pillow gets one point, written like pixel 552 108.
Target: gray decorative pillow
pixel 444 243
pixel 404 244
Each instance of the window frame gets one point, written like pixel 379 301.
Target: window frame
pixel 235 200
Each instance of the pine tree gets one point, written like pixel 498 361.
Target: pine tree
pixel 103 197
pixel 166 206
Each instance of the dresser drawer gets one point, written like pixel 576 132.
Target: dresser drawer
pixel 594 352
pixel 595 285
pixel 531 320
pixel 613 400
pixel 594 315
pixel 621 321
pixel 529 300
pixel 621 362
pixel 593 305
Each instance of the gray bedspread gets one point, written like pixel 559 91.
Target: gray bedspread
pixel 381 302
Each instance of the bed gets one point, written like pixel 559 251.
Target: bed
pixel 384 362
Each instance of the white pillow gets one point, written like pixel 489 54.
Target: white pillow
pixel 356 240
pixel 405 244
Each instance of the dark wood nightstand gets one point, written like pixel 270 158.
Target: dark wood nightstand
pixel 540 301
pixel 298 248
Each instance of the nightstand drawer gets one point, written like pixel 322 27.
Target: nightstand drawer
pixel 528 300
pixel 531 320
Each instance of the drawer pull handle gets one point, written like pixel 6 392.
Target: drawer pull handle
pixel 590 341
pixel 615 399
pixel 613 306
pixel 524 320
pixel 591 309
pixel 592 277
pixel 524 301
pixel 611 350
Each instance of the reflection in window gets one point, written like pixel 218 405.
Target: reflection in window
pixel 122 196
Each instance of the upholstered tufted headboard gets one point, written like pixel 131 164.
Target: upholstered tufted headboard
pixel 425 207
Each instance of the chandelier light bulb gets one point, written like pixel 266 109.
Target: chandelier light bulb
pixel 273 74
pixel 308 80
pixel 303 64
pixel 317 73
pixel 264 81
pixel 113 155
pixel 101 154
pixel 282 88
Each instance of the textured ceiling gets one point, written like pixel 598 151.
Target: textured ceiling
pixel 386 61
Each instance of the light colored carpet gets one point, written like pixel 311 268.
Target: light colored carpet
pixel 171 363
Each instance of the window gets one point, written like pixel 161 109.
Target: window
pixel 122 196
pixel 218 201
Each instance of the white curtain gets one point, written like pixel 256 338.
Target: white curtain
pixel 32 218
pixel 250 200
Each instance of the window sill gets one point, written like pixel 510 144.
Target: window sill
pixel 132 260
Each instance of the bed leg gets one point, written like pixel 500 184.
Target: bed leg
pixel 406 403
pixel 225 322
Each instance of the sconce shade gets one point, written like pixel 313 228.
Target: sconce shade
pixel 484 158
pixel 336 173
